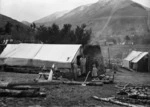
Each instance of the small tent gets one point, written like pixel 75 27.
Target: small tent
pixel 129 58
pixel 136 60
pixel 140 63
pixel 40 54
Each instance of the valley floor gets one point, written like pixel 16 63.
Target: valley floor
pixel 71 95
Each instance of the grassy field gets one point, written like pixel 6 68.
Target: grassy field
pixel 71 95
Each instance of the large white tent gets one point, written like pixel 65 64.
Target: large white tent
pixel 9 49
pixel 40 54
pixel 60 55
pixel 23 55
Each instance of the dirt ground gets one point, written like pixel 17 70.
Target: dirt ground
pixel 71 95
pixel 133 77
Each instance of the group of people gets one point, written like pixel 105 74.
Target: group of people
pixel 80 70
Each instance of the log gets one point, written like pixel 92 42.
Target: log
pixel 111 100
pixel 21 93
pixel 40 82
pixel 53 82
pixel 72 82
pixel 20 88
pixel 95 83
pixel 4 84
pixel 104 81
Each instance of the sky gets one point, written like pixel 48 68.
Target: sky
pixel 31 10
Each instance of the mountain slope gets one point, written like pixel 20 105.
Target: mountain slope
pixel 4 19
pixel 26 23
pixel 18 31
pixel 51 17
pixel 116 18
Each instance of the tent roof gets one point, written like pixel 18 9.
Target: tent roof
pixel 21 54
pixel 135 60
pixel 27 51
pixel 132 55
pixel 8 50
pixel 58 53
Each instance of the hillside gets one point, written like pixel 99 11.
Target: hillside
pixel 115 18
pixel 51 17
pixel 4 19
pixel 26 23
pixel 15 30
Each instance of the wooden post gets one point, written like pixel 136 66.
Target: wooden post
pixel 108 56
pixel 72 71
pixel 149 62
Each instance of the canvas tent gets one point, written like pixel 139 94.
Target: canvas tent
pixel 40 54
pixel 140 63
pixel 60 55
pixel 7 51
pixel 129 58
pixel 23 55
pixel 136 60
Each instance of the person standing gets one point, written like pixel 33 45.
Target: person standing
pixel 83 65
pixel 75 70
pixel 94 72
pixel 79 71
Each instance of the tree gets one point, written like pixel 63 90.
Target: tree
pixel 82 35
pixel 55 31
pixel 33 26
pixel 17 27
pixel 127 39
pixel 48 35
pixel 8 27
pixel 66 33
pixel 1 30
pixel 42 34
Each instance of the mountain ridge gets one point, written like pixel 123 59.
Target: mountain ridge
pixel 4 19
pixel 26 23
pixel 51 17
pixel 109 18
